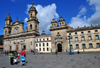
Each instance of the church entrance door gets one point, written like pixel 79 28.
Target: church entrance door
pixel 17 48
pixel 59 47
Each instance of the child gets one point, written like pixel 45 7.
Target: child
pixel 15 60
pixel 18 56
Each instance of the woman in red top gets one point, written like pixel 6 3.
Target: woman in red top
pixel 23 52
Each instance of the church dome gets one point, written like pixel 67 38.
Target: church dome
pixel 8 17
pixel 32 8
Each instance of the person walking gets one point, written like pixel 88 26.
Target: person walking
pixel 78 52
pixel 11 56
pixel 5 53
pixel 56 52
pixel 34 52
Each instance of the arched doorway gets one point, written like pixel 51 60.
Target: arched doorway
pixel 24 47
pixel 59 47
pixel 17 48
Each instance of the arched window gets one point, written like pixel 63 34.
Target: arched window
pixel 31 42
pixel 9 32
pixel 60 24
pixel 31 15
pixel 30 26
pixel 47 49
pixel 36 27
pixel 47 44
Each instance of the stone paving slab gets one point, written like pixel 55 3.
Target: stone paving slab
pixel 53 61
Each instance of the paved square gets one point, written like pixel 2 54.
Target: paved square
pixel 53 61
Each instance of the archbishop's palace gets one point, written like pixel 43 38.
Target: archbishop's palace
pixel 83 39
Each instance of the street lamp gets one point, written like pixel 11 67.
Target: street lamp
pixel 21 44
pixel 70 37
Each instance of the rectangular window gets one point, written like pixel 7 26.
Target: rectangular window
pixel 40 44
pixel 39 49
pixel 43 49
pixel 77 46
pixel 98 45
pixel 37 39
pixel 76 38
pixel 43 44
pixel 83 38
pixel 40 39
pixel 89 37
pixel 47 44
pixel 90 45
pixel 47 39
pixel 43 39
pixel 83 45
pixel 96 37
pixel 36 45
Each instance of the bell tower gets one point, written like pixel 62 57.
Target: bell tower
pixel 61 21
pixel 33 23
pixel 53 23
pixel 8 23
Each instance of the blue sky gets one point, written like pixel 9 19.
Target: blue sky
pixel 75 12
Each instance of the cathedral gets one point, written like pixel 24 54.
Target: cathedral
pixel 63 38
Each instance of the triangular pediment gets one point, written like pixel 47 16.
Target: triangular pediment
pixel 17 23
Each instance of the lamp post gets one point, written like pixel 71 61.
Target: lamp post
pixel 21 44
pixel 70 37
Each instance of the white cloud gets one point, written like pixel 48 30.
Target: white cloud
pixel 28 7
pixel 95 18
pixel 13 0
pixel 45 15
pixel 25 20
pixel 80 19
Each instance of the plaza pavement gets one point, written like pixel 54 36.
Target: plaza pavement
pixel 53 61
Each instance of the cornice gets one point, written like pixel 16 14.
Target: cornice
pixel 84 28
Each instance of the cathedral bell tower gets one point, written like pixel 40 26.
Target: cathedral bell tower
pixel 7 27
pixel 33 23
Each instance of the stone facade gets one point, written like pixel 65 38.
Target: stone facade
pixel 83 39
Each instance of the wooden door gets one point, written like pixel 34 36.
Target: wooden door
pixel 17 48
pixel 10 48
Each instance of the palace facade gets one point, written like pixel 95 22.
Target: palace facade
pixel 15 37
